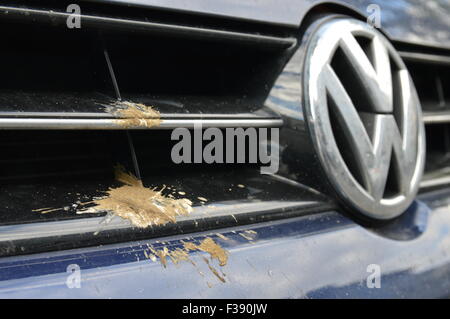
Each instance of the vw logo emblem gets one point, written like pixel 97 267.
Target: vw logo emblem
pixel 364 117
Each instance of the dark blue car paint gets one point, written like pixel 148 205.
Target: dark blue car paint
pixel 322 255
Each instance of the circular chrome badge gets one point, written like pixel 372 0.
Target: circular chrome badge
pixel 364 116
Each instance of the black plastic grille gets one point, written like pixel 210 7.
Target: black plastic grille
pixel 431 76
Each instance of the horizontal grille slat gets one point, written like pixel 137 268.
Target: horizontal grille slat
pixel 62 137
pixel 109 124
pixel 425 58
pixel 57 78
pixel 431 76
pixel 55 17
pixel 436 117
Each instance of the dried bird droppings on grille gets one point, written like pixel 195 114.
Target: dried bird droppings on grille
pixel 134 114
pixel 246 237
pixel 248 234
pixel 142 206
pixel 207 245
pixel 214 270
pixel 46 210
pixel 65 208
pixel 221 236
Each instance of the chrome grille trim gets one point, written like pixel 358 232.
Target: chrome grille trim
pixel 117 124
pixel 425 57
pixel 436 117
pixel 187 31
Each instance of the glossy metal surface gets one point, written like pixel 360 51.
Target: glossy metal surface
pixel 434 181
pixel 319 256
pixel 369 125
pixel 436 117
pixel 118 124
pixel 219 74
pixel 54 17
pixel 297 152
pixel 414 21
pixel 425 58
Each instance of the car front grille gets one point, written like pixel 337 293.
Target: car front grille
pixel 60 144
pixel 60 78
pixel 430 70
